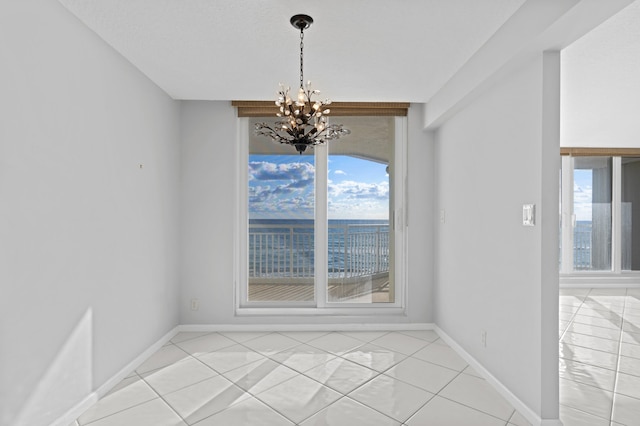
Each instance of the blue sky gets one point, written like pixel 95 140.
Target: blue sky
pixel 282 187
pixel 582 193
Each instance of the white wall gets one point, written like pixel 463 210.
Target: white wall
pixel 208 196
pixel 494 274
pixel 600 84
pixel 421 195
pixel 88 239
pixel 208 190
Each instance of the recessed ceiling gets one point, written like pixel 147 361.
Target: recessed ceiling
pixel 357 50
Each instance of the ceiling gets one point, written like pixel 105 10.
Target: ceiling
pixel 356 50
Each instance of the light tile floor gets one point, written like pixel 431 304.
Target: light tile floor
pixel 600 357
pixel 377 378
pixel 373 378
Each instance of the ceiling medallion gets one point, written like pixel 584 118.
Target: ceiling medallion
pixel 303 121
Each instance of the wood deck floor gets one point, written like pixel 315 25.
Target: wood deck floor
pixel 374 290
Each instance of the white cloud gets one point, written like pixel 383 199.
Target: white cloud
pixel 359 200
pixel 582 202
pixel 277 190
pixel 265 171
pixel 359 190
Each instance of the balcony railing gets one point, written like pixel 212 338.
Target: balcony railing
pixel 287 250
pixel 582 247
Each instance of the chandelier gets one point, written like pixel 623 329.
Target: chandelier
pixel 304 121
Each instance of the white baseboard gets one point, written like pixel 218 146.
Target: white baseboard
pixel 72 414
pixel 305 327
pixel 127 369
pixel 520 406
pixel 599 280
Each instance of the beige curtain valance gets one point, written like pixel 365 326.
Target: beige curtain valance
pixel 601 152
pixel 269 109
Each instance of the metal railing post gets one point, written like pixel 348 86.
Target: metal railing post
pixel 345 231
pixel 291 252
pixel 377 268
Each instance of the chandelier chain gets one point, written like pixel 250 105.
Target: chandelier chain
pixel 301 57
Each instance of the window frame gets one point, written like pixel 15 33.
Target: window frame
pixel 321 306
pixel 568 274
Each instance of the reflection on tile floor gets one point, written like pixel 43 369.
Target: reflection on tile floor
pixel 376 377
pixel 310 378
pixel 600 357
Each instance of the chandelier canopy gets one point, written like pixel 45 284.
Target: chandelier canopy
pixel 303 121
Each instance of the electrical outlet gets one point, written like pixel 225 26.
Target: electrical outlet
pixel 483 337
pixel 195 304
pixel 442 216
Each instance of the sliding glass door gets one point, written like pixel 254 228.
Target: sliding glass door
pixel 600 220
pixel 592 211
pixel 281 205
pixel 319 227
pixel 630 213
pixel 361 242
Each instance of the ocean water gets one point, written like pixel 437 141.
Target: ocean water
pixel 582 245
pixel 285 248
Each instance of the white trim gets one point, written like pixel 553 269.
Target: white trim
pixel 321 223
pixel 242 218
pixel 307 327
pixel 137 361
pixel 567 214
pixel 611 282
pixel 364 310
pixel 520 406
pixel 596 279
pixel 616 215
pixel 77 410
pixel 400 200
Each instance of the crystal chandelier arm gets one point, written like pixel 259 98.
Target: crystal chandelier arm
pixel 263 129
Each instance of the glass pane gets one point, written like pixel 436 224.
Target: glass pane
pixel 592 210
pixel 630 214
pixel 281 223
pixel 360 243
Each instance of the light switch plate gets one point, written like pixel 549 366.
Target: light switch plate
pixel 529 214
